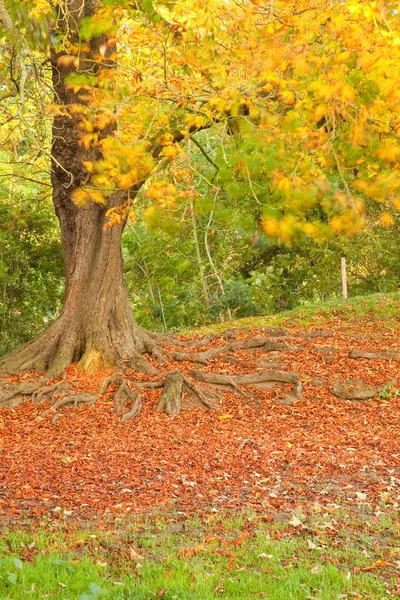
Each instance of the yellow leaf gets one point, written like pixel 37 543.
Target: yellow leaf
pixel 126 181
pixel 321 89
pixel 396 202
pixel 97 197
pixel 347 93
pixel 170 152
pixel 223 417
pixel 343 56
pixel 67 60
pixel 321 111
pixel 288 96
pixel 80 197
pixel 389 152
pixel 43 7
pixel 386 220
pixel 270 226
pixel 88 140
pixel 149 212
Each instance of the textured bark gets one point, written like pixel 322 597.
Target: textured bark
pixel 97 328
pixel 372 355
pixel 125 396
pixel 170 400
pixel 256 343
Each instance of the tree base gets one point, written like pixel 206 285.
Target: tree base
pixel 103 349
pixel 178 388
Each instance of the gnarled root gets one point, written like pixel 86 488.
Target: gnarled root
pixel 74 399
pixel 46 392
pixel 123 395
pixel 378 355
pixel 259 379
pixel 259 343
pixel 174 388
pixel 13 395
pixel 170 400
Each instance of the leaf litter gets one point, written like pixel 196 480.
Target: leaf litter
pixel 316 453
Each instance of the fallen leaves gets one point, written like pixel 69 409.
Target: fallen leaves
pixel 251 452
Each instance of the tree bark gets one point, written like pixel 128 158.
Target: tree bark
pixel 96 328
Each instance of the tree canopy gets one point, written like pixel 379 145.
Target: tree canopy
pixel 307 91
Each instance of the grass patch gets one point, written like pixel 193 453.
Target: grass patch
pixel 179 558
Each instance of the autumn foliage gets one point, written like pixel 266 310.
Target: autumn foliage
pixel 304 96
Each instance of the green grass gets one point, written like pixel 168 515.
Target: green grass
pixel 219 557
pixel 384 308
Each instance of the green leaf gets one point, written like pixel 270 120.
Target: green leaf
pixel 234 190
pixel 17 563
pixel 12 578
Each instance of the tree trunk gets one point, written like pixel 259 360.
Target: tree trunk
pixel 96 328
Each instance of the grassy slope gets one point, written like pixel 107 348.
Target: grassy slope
pixel 385 307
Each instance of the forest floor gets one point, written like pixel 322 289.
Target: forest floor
pixel 254 450
pixel 320 469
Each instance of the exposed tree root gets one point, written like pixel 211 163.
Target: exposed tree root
pixel 174 388
pixel 170 400
pixel 315 334
pixel 356 391
pixel 258 379
pixel 380 355
pixel 45 393
pixel 74 399
pixel 229 335
pixel 123 395
pixel 177 387
pixel 13 395
pixel 171 340
pixel 260 343
pixel 274 332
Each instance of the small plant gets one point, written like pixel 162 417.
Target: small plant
pixel 389 392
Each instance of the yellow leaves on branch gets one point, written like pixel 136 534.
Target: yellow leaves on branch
pixel 117 215
pixel 81 197
pixel 68 60
pixel 288 96
pixel 290 228
pixel 164 194
pixel 319 86
pixel 386 220
pixel 389 152
pixel 41 9
pixel 349 223
pixel 122 166
pixel 170 152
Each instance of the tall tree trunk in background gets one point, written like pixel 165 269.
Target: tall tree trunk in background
pixel 96 328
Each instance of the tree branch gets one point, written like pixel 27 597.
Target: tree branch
pixel 26 179
pixel 204 153
pixel 20 47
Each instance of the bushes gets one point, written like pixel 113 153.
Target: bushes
pixel 261 278
pixel 31 282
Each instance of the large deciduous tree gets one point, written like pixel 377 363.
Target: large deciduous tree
pixel 96 327
pixel 304 99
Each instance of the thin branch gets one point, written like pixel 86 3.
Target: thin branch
pixel 26 178
pixel 204 153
